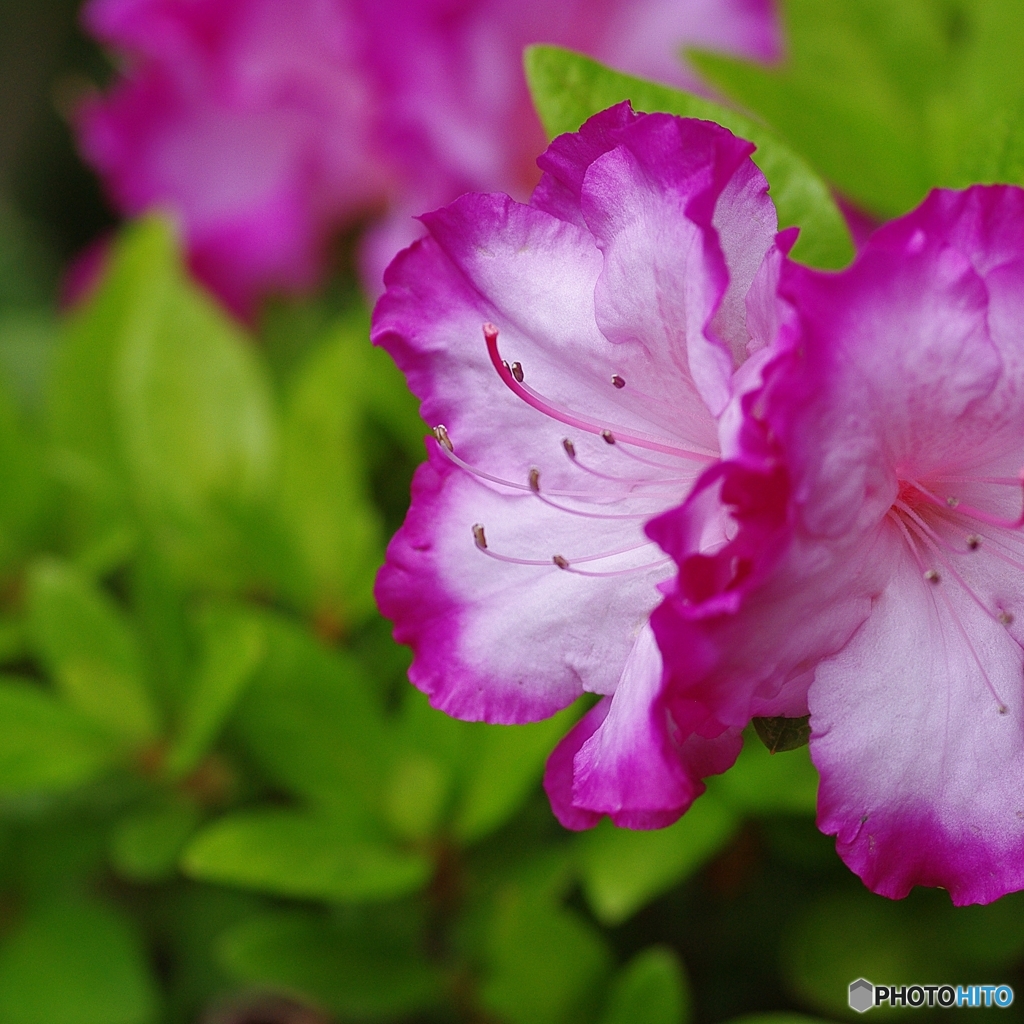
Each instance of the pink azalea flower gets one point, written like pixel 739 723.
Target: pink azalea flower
pixel 574 354
pixel 265 125
pixel 248 119
pixel 869 567
pixel 457 116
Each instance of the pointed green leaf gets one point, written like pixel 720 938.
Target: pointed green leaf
pixel 624 870
pixel 91 650
pixel 545 963
pixel 349 971
pixel 308 719
pixel 568 88
pixel 45 745
pixel 293 854
pixel 146 844
pixel 508 763
pixel 75 963
pixel 232 647
pixel 761 782
pixel 651 989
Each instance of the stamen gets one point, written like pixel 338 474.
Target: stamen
pixel 618 381
pixel 631 482
pixel 1005 617
pixel 517 371
pixel 976 513
pixel 479 536
pixel 441 433
pixel 448 451
pixel 534 479
pixel 932 576
pixel 621 572
pixel 973 542
pixel 541 404
pixel 561 562
pixel 608 437
pixel 1001 704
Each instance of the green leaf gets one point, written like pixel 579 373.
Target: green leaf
pixel 45 745
pixel 545 964
pixel 325 485
pixel 623 870
pixel 352 973
pixel 90 649
pixel 293 854
pixel 233 645
pixel 159 401
pixel 309 721
pixel 508 764
pixel 843 936
pixel 568 88
pixel 764 783
pixel 889 100
pixel 146 844
pixel 75 963
pixel 651 989
pixel 780 734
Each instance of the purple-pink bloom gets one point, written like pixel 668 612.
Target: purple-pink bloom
pixel 250 120
pixel 265 125
pixel 456 113
pixel 868 567
pixel 574 355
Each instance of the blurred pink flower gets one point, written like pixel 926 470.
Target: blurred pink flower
pixel 265 125
pixel 522 577
pixel 249 120
pixel 457 116
pixel 870 562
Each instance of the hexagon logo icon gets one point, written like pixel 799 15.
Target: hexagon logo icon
pixel 862 995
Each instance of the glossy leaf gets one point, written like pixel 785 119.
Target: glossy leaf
pixel 145 845
pixel 90 648
pixel 326 464
pixel 623 870
pixel 651 989
pixel 293 854
pixel 764 783
pixel 888 100
pixel 75 963
pixel 568 88
pixel 45 745
pixel 354 973
pixel 309 720
pixel 545 963
pixel 233 645
pixel 508 763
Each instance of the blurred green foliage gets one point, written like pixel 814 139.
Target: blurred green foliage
pixel 220 801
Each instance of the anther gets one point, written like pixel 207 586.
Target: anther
pixel 608 437
pixel 974 542
pixel 479 537
pixel 1005 618
pixel 618 381
pixel 570 448
pixel 517 371
pixel 504 363
pixel 562 563
pixel 440 432
pixel 534 479
pixel 932 576
pixel 952 502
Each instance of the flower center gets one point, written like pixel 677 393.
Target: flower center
pixel 633 478
pixel 945 534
